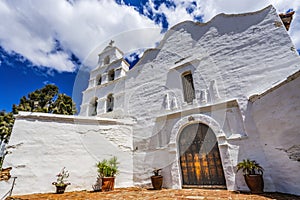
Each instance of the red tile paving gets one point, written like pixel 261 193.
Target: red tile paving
pixel 164 194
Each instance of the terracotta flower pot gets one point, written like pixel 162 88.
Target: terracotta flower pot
pixel 255 183
pixel 157 182
pixel 5 174
pixel 108 183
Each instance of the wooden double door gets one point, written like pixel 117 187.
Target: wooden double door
pixel 200 160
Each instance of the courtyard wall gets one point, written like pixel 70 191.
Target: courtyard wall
pixel 42 144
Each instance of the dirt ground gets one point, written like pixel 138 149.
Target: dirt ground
pixel 164 194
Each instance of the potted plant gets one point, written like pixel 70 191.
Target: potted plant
pixel 253 174
pixel 5 174
pixel 107 170
pixel 157 179
pixel 60 182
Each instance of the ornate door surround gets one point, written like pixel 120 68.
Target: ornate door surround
pixel 225 150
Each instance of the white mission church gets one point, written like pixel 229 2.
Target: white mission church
pixel 210 95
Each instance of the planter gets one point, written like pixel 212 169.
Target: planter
pixel 5 174
pixel 157 182
pixel 255 183
pixel 60 189
pixel 108 183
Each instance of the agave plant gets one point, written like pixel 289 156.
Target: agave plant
pixel 250 167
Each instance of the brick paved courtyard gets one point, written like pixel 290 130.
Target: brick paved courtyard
pixel 164 194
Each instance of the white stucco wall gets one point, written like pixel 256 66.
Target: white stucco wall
pixel 239 55
pixel 42 144
pixel 231 58
pixel 276 116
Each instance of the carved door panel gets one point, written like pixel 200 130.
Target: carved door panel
pixel 200 157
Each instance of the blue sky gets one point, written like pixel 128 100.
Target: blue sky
pixel 52 41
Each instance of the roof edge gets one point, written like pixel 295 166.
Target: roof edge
pixel 290 78
pixel 161 43
pixel 74 119
pixel 224 15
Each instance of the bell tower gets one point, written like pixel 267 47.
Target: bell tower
pixel 106 84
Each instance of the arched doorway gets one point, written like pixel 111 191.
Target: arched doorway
pixel 200 160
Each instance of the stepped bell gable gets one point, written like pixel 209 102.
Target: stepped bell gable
pixel 106 85
pixel 210 95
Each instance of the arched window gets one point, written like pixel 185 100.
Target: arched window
pixel 111 75
pixel 94 105
pixel 106 60
pixel 99 80
pixel 188 87
pixel 110 103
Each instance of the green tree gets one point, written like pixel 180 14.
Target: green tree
pixel 6 125
pixel 63 105
pixel 47 100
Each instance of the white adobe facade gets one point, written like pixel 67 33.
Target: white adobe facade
pixel 207 97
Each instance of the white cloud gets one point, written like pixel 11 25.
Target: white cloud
pixel 84 27
pixel 30 28
pixel 173 15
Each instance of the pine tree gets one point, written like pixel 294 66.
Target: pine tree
pixel 47 100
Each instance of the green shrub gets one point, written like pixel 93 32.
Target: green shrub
pixel 250 167
pixel 108 168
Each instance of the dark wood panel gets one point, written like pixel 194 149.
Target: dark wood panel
pixel 200 157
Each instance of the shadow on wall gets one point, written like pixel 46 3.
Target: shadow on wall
pixel 251 149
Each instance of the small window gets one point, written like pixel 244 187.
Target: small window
pixel 99 80
pixel 94 106
pixel 188 87
pixel 111 75
pixel 106 60
pixel 110 103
